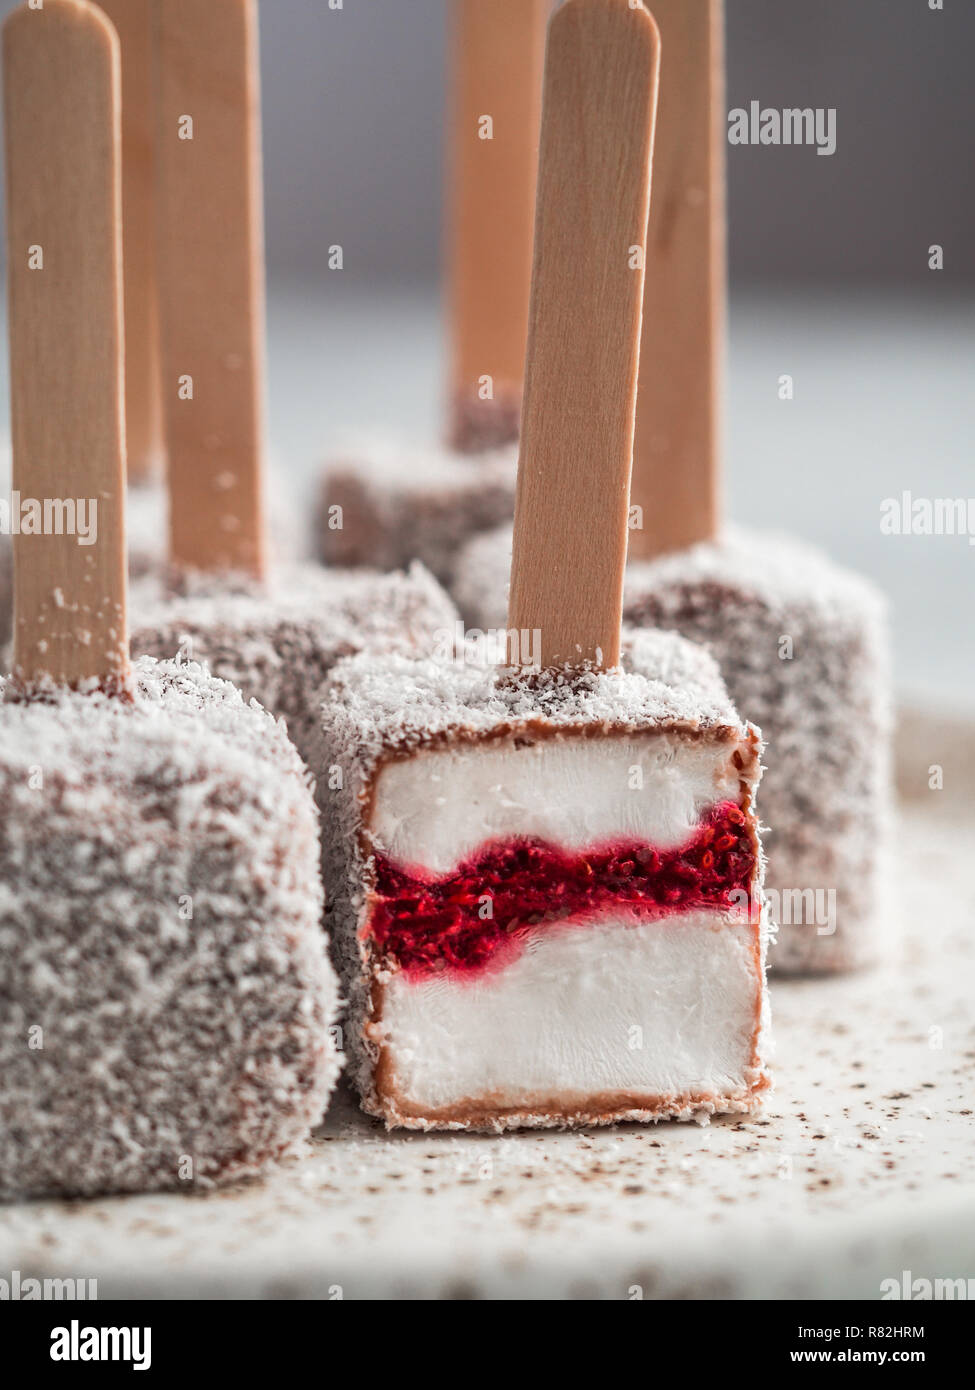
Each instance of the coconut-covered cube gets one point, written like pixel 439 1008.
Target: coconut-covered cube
pixel 383 507
pixel 166 1001
pixel 547 890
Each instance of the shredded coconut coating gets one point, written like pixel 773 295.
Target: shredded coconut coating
pixel 384 703
pixel 166 998
pixel 825 711
pixel 376 708
pixel 279 643
pixel 399 505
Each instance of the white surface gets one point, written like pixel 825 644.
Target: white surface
pixel 574 793
pixel 662 1010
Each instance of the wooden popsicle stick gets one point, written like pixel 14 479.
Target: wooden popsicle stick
pixel 497 51
pixel 133 22
pixel 211 295
pixel 63 146
pixel 676 474
pixel 584 331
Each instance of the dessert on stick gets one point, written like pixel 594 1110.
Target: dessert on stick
pixel 389 503
pixel 274 630
pixel 547 875
pixel 166 1003
pixel 801 642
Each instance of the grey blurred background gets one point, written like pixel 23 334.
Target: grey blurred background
pixel 353 105
pixel 829 274
pixel 353 115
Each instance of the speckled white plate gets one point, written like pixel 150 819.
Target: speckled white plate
pixel 861 1168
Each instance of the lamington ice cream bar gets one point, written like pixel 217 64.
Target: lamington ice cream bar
pixel 167 1007
pixel 547 874
pixel 547 891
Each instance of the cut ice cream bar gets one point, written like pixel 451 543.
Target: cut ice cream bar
pixel 166 1002
pixel 384 507
pixel 547 891
pixel 546 878
pixel 278 641
pixel 803 646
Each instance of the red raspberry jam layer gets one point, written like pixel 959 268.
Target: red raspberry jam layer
pixel 432 926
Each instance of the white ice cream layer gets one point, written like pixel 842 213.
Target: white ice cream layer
pixel 652 1009
pixel 437 808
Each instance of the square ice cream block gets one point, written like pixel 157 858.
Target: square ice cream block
pixel 277 642
pixel 384 505
pixel 803 646
pixel 166 1001
pixel 546 891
